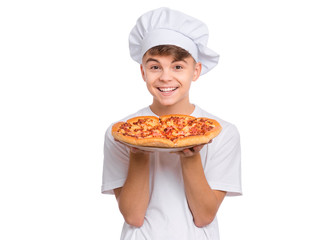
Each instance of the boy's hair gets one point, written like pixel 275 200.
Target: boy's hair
pixel 169 50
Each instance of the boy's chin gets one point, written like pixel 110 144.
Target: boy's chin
pixel 167 104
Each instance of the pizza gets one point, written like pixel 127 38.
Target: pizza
pixel 168 131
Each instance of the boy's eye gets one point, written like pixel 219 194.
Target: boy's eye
pixel 178 67
pixel 154 67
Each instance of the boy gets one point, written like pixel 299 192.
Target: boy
pixel 161 195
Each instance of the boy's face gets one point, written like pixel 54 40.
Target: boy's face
pixel 169 80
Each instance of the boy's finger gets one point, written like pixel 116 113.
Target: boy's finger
pixel 198 148
pixel 187 152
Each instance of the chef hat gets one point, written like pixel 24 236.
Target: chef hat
pixel 164 26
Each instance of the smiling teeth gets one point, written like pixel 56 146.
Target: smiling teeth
pixel 167 89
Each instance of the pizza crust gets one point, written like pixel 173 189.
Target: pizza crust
pixel 154 142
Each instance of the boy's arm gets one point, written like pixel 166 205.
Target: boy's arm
pixel 202 200
pixel 133 197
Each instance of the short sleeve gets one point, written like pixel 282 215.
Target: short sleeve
pixel 223 165
pixel 115 167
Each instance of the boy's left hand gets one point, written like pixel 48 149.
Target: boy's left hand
pixel 189 152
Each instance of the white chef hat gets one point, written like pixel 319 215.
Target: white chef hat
pixel 164 26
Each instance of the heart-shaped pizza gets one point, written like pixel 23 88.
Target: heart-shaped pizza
pixel 169 131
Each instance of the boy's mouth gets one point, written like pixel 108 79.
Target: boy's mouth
pixel 167 89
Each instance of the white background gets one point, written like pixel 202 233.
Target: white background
pixel 66 74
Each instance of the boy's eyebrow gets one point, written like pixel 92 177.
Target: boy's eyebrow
pixel 155 60
pixel 152 59
pixel 181 60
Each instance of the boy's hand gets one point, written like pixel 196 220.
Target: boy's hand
pixel 189 152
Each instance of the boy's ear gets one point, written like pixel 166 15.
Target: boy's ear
pixel 197 71
pixel 142 72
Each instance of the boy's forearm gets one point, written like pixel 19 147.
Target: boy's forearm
pixel 202 200
pixel 134 195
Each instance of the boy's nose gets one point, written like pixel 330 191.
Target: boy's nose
pixel 165 75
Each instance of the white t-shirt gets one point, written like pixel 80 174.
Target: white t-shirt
pixel 168 216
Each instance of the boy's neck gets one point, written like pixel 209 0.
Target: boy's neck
pixel 185 109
